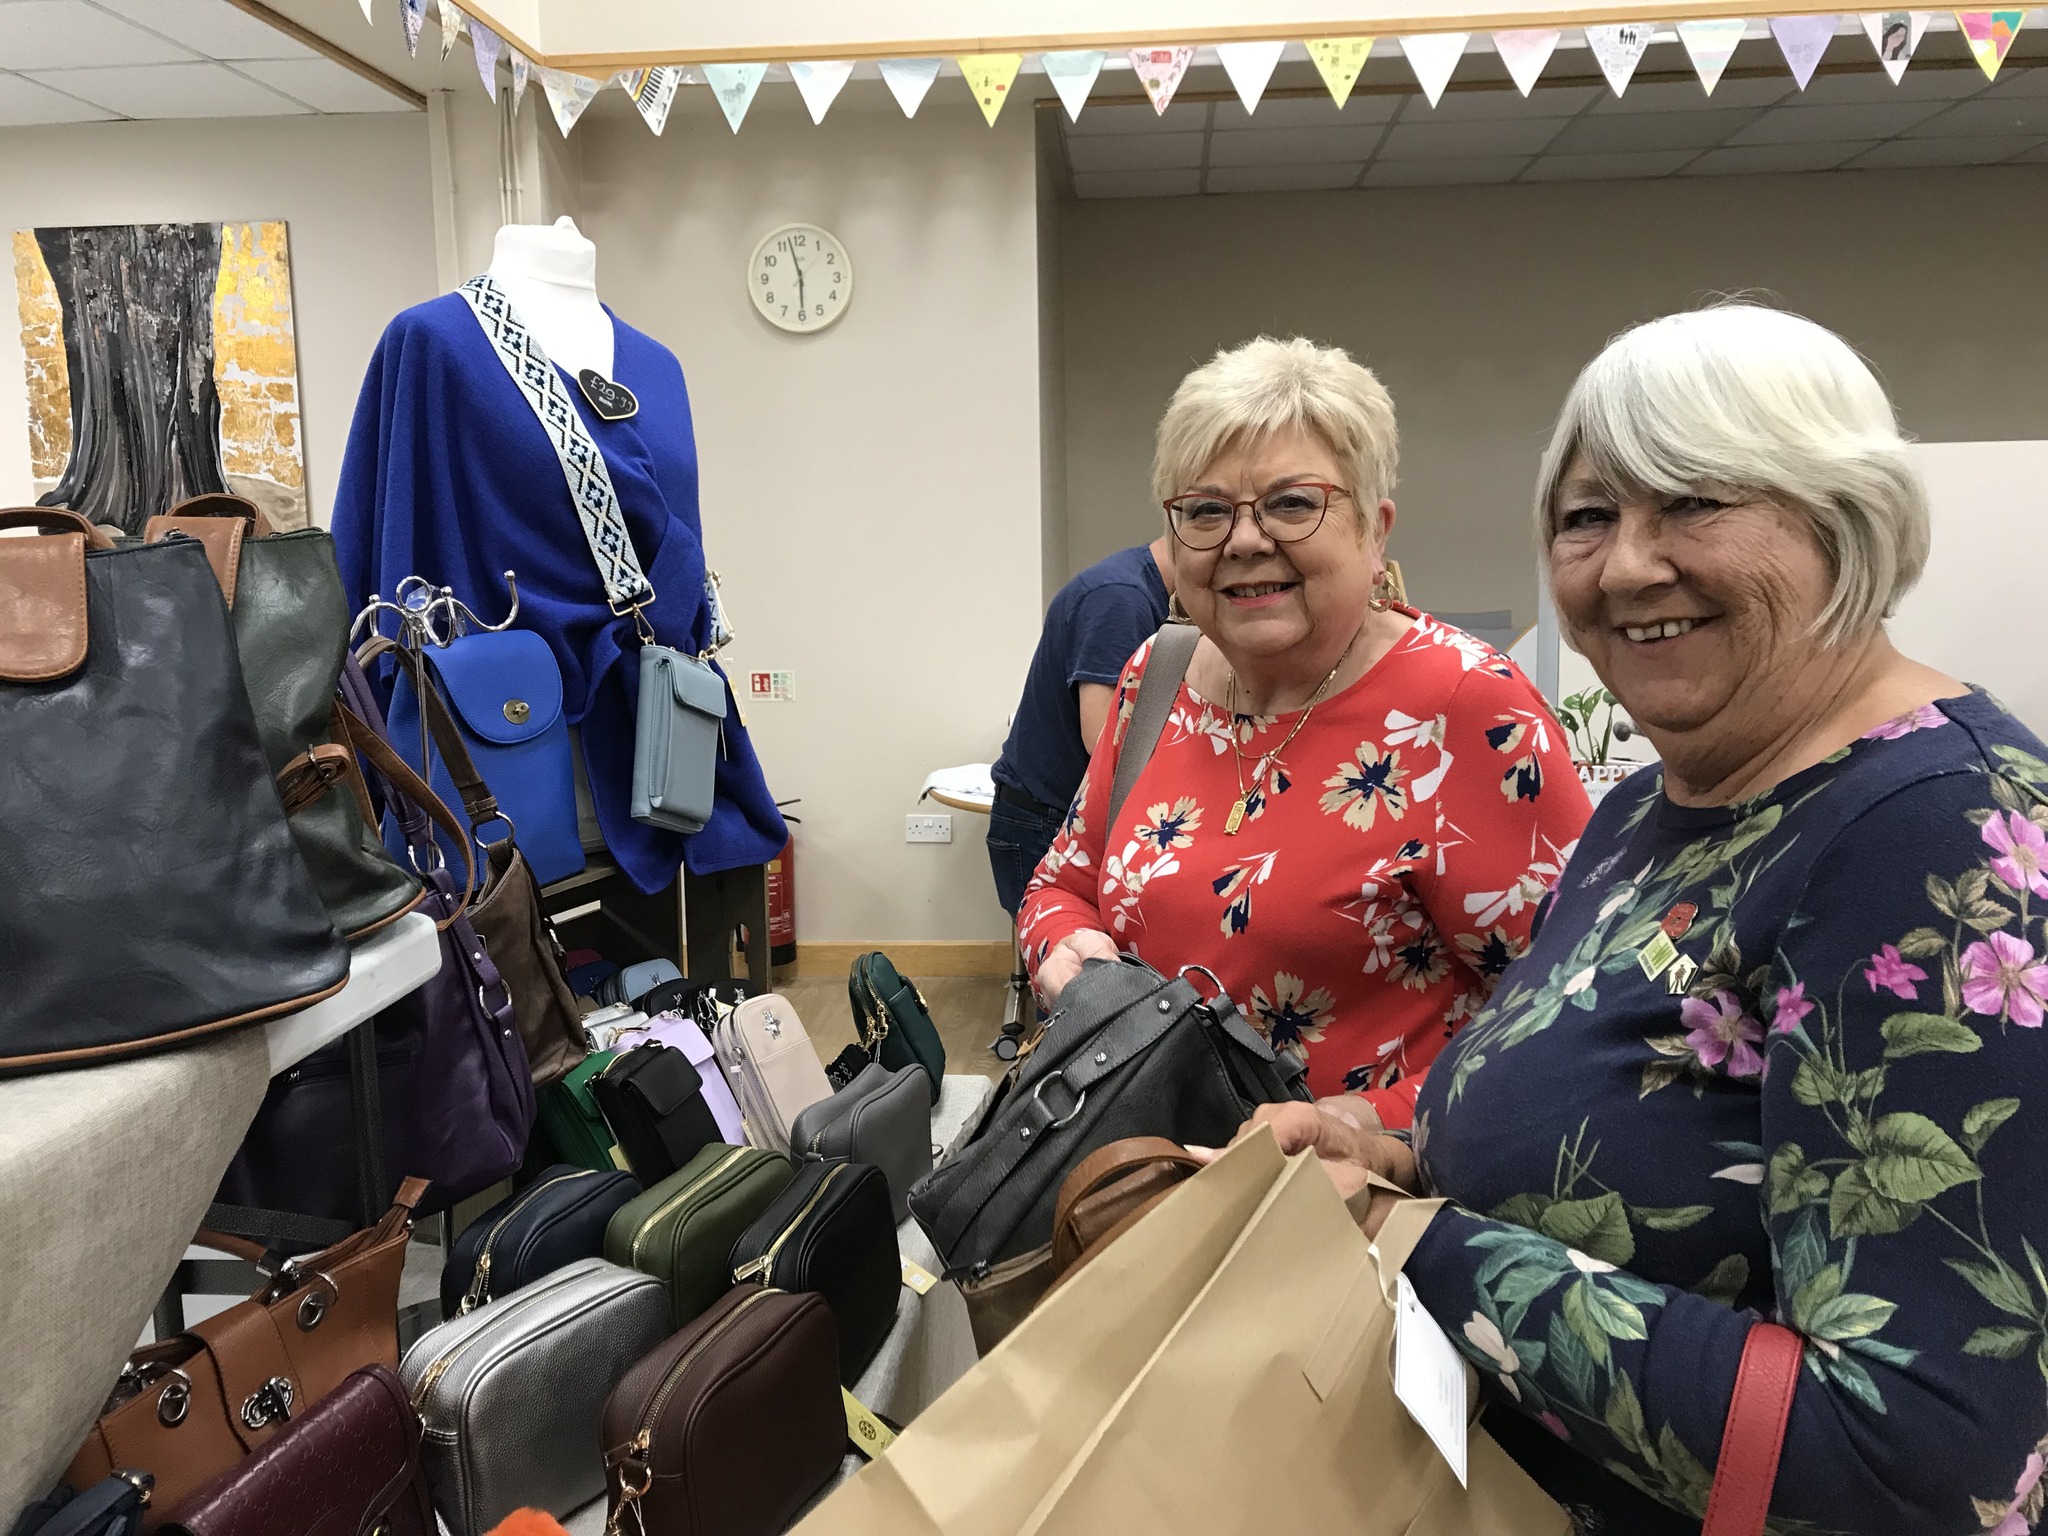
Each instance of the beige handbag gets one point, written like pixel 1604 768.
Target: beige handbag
pixel 773 1067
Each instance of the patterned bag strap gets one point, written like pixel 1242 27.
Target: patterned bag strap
pixel 626 588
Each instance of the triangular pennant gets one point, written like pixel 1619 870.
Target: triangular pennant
pixel 568 94
pixel 412 14
pixel 734 86
pixel 1710 44
pixel 1073 76
pixel 1338 60
pixel 819 83
pixel 1250 67
pixel 451 27
pixel 1525 53
pixel 653 92
pixel 1803 39
pixel 488 46
pixel 1433 55
pixel 1895 34
pixel 989 76
pixel 1989 34
pixel 1618 50
pixel 522 72
pixel 1159 71
pixel 372 20
pixel 908 81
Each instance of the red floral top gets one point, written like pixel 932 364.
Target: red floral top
pixel 1385 873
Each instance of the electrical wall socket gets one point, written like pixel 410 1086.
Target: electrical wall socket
pixel 927 829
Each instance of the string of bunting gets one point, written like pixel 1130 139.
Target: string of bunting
pixel 1432 57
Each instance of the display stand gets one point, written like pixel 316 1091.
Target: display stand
pixel 695 922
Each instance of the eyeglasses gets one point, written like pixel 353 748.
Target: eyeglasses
pixel 1286 515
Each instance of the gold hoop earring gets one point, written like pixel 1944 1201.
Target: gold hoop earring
pixel 1175 612
pixel 1384 592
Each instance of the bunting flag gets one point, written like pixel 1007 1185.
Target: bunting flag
pixel 372 20
pixel 820 84
pixel 412 15
pixel 734 86
pixel 989 76
pixel 522 71
pixel 1710 44
pixel 488 46
pixel 1803 39
pixel 1433 55
pixel 908 81
pixel 1525 53
pixel 1989 34
pixel 1250 67
pixel 451 27
pixel 568 94
pixel 1073 76
pixel 1338 60
pixel 1159 71
pixel 653 92
pixel 1895 34
pixel 1619 50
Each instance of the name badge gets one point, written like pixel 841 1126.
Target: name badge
pixel 1657 955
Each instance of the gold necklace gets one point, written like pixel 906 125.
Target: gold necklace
pixel 1236 817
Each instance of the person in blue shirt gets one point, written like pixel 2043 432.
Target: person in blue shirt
pixel 1092 626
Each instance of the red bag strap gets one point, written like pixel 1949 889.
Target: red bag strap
pixel 1755 1434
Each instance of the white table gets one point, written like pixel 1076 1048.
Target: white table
pixel 384 967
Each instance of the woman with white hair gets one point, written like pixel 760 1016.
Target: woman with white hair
pixel 1353 809
pixel 1776 1049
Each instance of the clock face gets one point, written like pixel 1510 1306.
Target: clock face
pixel 800 278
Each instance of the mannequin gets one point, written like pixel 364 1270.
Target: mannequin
pixel 550 273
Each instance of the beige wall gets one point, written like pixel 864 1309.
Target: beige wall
pixel 870 493
pixel 1478 305
pixel 354 191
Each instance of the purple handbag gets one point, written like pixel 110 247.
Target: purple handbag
pixel 681 1031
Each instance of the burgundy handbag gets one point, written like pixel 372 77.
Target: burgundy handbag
pixel 348 1467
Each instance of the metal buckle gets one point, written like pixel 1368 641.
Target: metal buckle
pixel 1214 980
pixel 270 1403
pixel 1038 1098
pixel 175 1401
pixel 315 1307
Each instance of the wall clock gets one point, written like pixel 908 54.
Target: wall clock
pixel 800 278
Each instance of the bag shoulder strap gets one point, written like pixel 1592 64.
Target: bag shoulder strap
pixel 1172 649
pixel 1765 1384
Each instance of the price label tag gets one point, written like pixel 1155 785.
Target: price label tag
pixel 918 1278
pixel 868 1434
pixel 1429 1376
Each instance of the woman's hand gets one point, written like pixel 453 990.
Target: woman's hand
pixel 1345 1135
pixel 1064 963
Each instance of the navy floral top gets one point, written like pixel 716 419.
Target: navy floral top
pixel 1784 1057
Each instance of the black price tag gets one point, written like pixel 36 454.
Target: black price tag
pixel 611 401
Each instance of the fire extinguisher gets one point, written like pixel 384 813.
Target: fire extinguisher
pixel 782 895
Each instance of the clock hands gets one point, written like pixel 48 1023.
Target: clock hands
pixel 794 262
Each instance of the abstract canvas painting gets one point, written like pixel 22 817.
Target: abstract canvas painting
pixel 161 365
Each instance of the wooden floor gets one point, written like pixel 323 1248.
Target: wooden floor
pixel 967 1009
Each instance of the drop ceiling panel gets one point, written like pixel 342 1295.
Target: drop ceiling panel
pixel 1770 159
pixel 1507 102
pixel 1649 131
pixel 170 90
pixel 1824 125
pixel 1285 146
pixel 1686 95
pixel 66 34
pixel 209 27
pixel 1130 117
pixel 1973 119
pixel 1919 83
pixel 324 85
pixel 1317 111
pixel 1426 140
pixel 1137 183
pixel 1622 167
pixel 1903 153
pixel 1444 173
pixel 24 102
pixel 1137 152
pixel 1283 178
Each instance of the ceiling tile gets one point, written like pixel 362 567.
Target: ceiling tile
pixel 1921 82
pixel 1444 173
pixel 1646 131
pixel 1903 153
pixel 1992 116
pixel 1133 117
pixel 1135 151
pixel 170 90
pixel 2032 156
pixel 1469 106
pixel 1137 183
pixel 1282 146
pixel 325 86
pixel 1317 111
pixel 23 102
pixel 1282 178
pixel 64 34
pixel 2019 82
pixel 1686 95
pixel 1426 140
pixel 210 27
pixel 1764 159
pixel 1654 162
pixel 1801 124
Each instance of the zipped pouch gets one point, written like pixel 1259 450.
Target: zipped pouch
pixel 653 1099
pixel 557 1219
pixel 881 1117
pixel 682 1230
pixel 730 1427
pixel 569 1114
pixel 831 1232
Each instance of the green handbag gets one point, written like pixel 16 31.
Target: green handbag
pixel 682 1230
pixel 568 1112
pixel 891 1018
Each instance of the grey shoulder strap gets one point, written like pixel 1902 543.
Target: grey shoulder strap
pixel 1172 649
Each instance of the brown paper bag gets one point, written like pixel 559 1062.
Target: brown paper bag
pixel 1224 1367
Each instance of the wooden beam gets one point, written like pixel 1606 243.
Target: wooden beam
pixel 333 51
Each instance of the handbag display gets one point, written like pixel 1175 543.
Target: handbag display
pixel 512 1393
pixel 773 1068
pixel 154 894
pixel 653 1100
pixel 291 618
pixel 890 1016
pixel 567 1112
pixel 733 1425
pixel 553 1222
pixel 1127 1053
pixel 830 1231
pixel 347 1467
pixel 633 982
pixel 676 739
pixel 189 1407
pixel 684 1033
pixel 882 1118
pixel 682 1230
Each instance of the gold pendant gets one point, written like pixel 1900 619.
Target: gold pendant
pixel 1234 820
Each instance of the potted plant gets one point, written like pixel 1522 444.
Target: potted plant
pixel 1588 720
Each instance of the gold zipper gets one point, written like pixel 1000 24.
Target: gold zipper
pixel 670 1204
pixel 877 1014
pixel 440 1366
pixel 480 1283
pixel 766 1263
